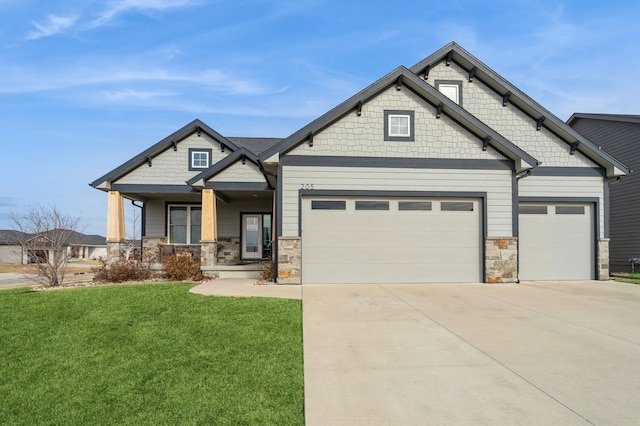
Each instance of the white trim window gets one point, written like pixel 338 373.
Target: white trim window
pixel 398 126
pixel 199 159
pixel 452 89
pixel 184 223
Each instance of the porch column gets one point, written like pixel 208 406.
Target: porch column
pixel 209 229
pixel 115 226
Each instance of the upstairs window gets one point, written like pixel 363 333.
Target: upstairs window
pixel 452 89
pixel 199 159
pixel 398 126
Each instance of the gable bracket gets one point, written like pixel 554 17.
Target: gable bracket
pixel 310 137
pixel 359 108
pixel 198 130
pixel 449 58
pixel 222 147
pixel 505 99
pixel 472 74
pixel 243 158
pixel 485 143
pixel 399 83
pixel 426 72
pixel 175 144
pixel 539 122
pixel 439 109
pixel 148 158
pixel 573 147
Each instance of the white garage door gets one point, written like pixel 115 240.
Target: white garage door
pixel 556 241
pixel 389 240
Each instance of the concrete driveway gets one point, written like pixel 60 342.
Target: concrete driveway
pixel 552 353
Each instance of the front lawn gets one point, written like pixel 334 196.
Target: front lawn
pixel 149 354
pixel 626 277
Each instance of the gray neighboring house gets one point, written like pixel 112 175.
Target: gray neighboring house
pixel 81 247
pixel 442 172
pixel 619 135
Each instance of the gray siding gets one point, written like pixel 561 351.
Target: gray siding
pixel 11 255
pixel 622 140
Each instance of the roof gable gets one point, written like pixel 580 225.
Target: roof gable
pixel 476 69
pixel 402 77
pixel 170 141
pixel 241 155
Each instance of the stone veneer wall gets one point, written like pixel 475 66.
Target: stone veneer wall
pixel 115 251
pixel 151 248
pixel 603 259
pixel 501 260
pixel 228 250
pixel 289 260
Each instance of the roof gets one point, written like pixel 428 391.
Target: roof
pixel 11 237
pixel 455 53
pixel 255 145
pixel 623 118
pixel 404 77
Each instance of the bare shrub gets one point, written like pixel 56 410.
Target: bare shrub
pixel 182 267
pixel 268 270
pixel 122 270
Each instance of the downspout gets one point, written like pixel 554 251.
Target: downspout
pixel 142 223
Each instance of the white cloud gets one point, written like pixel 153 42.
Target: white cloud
pixel 135 95
pixel 118 7
pixel 53 25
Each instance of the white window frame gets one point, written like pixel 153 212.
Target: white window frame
pixel 192 156
pixel 409 135
pixel 188 224
pixel 391 125
pixel 451 84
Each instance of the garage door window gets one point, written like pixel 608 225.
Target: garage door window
pixel 569 209
pixel 372 205
pixel 328 205
pixel 456 206
pixel 414 205
pixel 533 209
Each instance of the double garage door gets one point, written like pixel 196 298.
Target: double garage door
pixel 391 240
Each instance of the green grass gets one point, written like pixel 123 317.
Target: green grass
pixel 149 354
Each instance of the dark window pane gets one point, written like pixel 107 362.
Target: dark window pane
pixel 532 209
pixel 372 205
pixel 414 205
pixel 456 206
pixel 569 209
pixel 328 205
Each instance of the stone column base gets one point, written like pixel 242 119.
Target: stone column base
pixel 289 260
pixel 115 251
pixel 603 259
pixel 208 253
pixel 501 260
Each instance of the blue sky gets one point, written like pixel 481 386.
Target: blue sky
pixel 87 84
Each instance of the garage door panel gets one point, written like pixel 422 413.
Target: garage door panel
pixel 402 246
pixel 556 246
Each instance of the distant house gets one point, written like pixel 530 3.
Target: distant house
pixel 442 172
pixel 19 248
pixel 619 135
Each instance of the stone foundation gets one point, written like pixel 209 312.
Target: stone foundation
pixel 115 251
pixel 151 248
pixel 228 250
pixel 603 259
pixel 208 254
pixel 289 260
pixel 501 260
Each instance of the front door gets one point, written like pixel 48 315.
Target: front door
pixel 252 236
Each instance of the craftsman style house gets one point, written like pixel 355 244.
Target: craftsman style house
pixel 442 172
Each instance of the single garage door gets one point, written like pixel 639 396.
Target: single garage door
pixel 388 240
pixel 556 241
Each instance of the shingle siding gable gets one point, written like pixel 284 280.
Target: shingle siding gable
pixel 172 167
pixel 509 121
pixel 363 136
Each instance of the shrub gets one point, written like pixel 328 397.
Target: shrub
pixel 268 271
pixel 122 270
pixel 182 267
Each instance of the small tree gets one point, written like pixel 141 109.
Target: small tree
pixel 48 235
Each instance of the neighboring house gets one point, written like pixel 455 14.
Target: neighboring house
pixel 619 135
pixel 19 248
pixel 442 172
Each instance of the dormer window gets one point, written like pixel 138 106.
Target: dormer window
pixel 199 159
pixel 398 126
pixel 452 89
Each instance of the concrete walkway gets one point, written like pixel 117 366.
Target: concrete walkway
pixel 245 287
pixel 472 354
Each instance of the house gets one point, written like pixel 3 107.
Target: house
pixel 442 172
pixel 619 135
pixel 21 248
